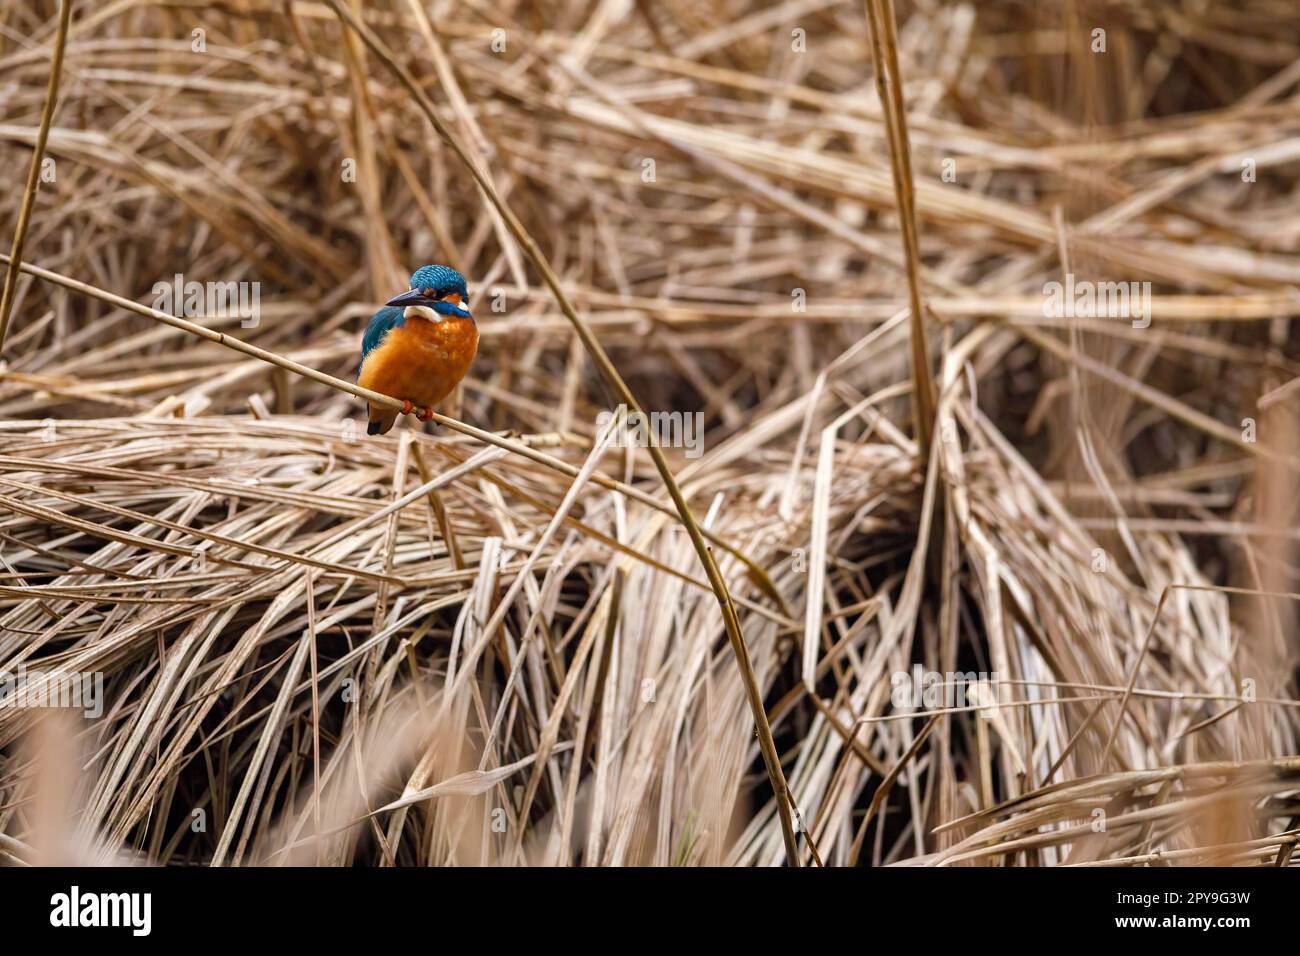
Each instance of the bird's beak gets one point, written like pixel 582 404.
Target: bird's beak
pixel 410 297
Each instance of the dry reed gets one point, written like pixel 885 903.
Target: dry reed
pixel 490 641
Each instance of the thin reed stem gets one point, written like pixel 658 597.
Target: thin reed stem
pixel 34 171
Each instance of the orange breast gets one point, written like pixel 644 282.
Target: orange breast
pixel 421 360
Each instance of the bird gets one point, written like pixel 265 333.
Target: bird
pixel 419 346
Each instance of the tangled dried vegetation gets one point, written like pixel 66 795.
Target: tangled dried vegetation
pixel 429 649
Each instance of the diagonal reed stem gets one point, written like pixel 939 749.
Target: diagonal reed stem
pixel 731 622
pixel 758 575
pixel 34 171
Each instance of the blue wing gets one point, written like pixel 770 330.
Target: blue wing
pixel 383 322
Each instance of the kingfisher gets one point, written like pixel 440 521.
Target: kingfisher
pixel 419 346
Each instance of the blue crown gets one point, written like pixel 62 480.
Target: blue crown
pixel 441 279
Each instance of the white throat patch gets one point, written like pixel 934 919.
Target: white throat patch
pixel 422 312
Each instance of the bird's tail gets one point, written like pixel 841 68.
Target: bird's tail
pixel 381 419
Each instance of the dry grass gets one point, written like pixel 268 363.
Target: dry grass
pixel 495 641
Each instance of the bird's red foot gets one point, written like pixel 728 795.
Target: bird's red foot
pixel 407 407
pixel 425 414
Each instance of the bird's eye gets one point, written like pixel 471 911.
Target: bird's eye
pixel 426 292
